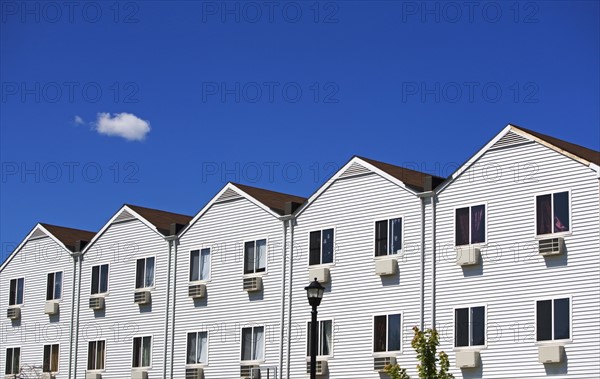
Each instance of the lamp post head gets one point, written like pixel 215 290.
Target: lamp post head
pixel 314 293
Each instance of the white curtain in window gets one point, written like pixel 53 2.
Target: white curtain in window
pixel 146 351
pixel 205 264
pixel 261 254
pixel 58 285
pixel 149 281
pixel 202 353
pixel 326 337
pixel 258 344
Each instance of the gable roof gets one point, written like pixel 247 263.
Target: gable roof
pixel 161 220
pixel 412 178
pixel 577 150
pixel 69 236
pixel 271 199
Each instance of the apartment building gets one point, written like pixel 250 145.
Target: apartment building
pixel 502 258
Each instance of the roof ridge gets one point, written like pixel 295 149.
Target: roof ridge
pixel 369 160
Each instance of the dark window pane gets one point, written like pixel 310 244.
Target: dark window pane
pixel 20 285
pixel 462 226
pixel 246 344
pixel 544 320
pixel 478 326
pixel 461 327
pixel 194 265
pixel 308 339
pixel 91 355
pixel 95 279
pixel 395 235
pixel 58 285
pixel 478 224
pixel 326 335
pixel 104 279
pixel 379 343
pixel 543 208
pixel 46 364
pixel 146 351
pixel 9 360
pixel 12 297
pixel 137 344
pixel 561 319
pixel 50 286
pixel 393 332
pixel 315 248
pixel 327 246
pixel 561 212
pixel 139 274
pixel 249 257
pixel 100 356
pixel 381 238
pixel 54 358
pixel 191 348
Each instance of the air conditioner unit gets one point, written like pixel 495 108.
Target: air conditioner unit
pixel 194 373
pixel 142 297
pixel 250 372
pixel 51 308
pixel 467 255
pixel 47 375
pixel 321 273
pixel 379 363
pixel 551 353
pixel 93 375
pixel 253 284
pixel 13 313
pixel 386 267
pixel 197 291
pixel 10 376
pixel 96 303
pixel 139 374
pixel 551 246
pixel 467 359
pixel 321 367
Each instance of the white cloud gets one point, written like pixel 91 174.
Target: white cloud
pixel 78 120
pixel 125 125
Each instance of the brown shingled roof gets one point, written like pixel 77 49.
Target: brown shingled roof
pixel 69 236
pixel 162 220
pixel 577 150
pixel 411 178
pixel 274 200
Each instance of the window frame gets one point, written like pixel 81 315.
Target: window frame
pixel 99 294
pixel 210 265
pixel 153 279
pixel 241 346
pixel 16 305
pixel 6 361
pixel 255 273
pixel 43 356
pixel 485 327
pixel 552 192
pixel 88 356
pixel 374 237
pixel 62 282
pixel 207 348
pixel 388 352
pixel 485 218
pixel 143 368
pixel 553 341
pixel 321 264
pixel 331 350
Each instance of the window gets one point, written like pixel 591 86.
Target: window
pixel 388 237
pixel 552 213
pixel 96 355
pixel 199 265
pixel 13 360
pixel 321 247
pixel 387 333
pixel 142 350
pixel 144 273
pixel 324 338
pixel 99 279
pixel 54 286
pixel 197 348
pixel 469 326
pixel 255 256
pixel 553 320
pixel 15 296
pixel 252 343
pixel 50 358
pixel 470 225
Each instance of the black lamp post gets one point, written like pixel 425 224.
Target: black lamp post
pixel 314 292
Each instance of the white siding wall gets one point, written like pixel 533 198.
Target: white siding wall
pixel 513 276
pixel 34 261
pixel 227 308
pixel 120 246
pixel 356 294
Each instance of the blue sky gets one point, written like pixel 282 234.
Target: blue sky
pixel 160 103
